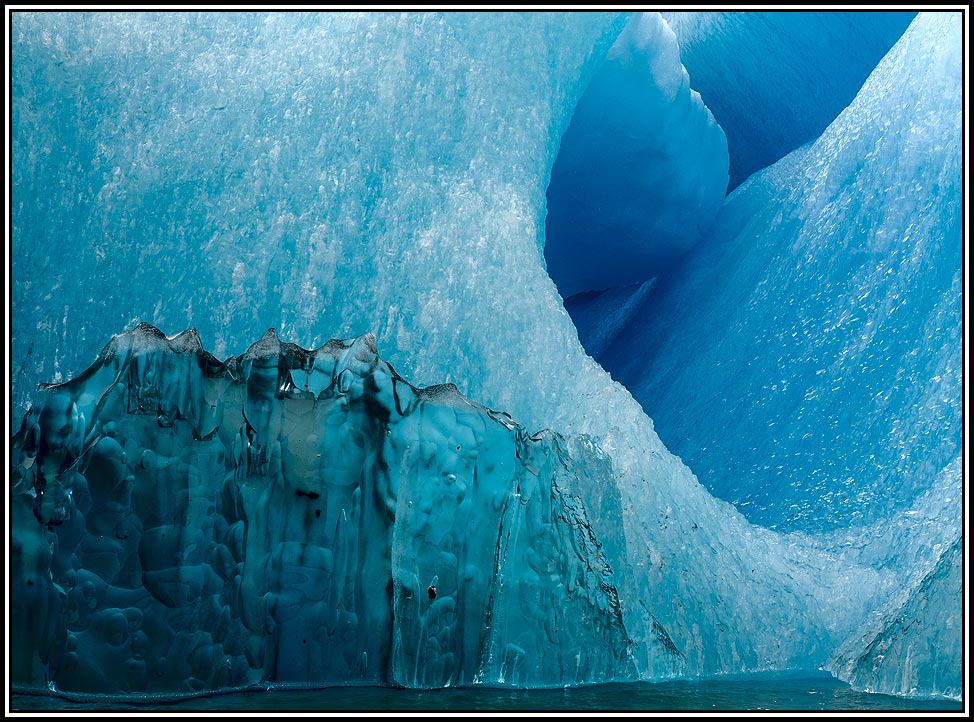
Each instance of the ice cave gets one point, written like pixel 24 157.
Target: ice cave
pixel 519 350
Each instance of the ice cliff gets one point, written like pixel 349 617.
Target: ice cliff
pixel 296 516
pixel 331 174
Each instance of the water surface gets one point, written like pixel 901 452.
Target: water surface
pixel 772 692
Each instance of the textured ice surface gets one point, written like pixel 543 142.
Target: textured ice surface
pixel 235 168
pixel 330 174
pixel 806 361
pixel 913 644
pixel 917 649
pixel 641 171
pixel 181 523
pixel 296 516
pixel 775 80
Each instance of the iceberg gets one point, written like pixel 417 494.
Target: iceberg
pixel 509 516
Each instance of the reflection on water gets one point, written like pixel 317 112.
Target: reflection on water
pixel 779 692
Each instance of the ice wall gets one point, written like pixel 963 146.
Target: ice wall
pixel 806 361
pixel 327 174
pixel 296 516
pixel 641 170
pixel 916 649
pixel 776 80
pixel 337 173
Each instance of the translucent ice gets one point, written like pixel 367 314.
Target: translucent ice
pixel 297 516
pixel 330 174
pixel 775 80
pixel 641 171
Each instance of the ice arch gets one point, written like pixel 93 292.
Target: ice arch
pixel 641 170
pixel 805 359
pixel 775 80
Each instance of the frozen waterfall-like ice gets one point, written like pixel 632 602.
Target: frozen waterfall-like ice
pixel 186 524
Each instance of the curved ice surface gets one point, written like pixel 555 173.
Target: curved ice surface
pixel 775 80
pixel 806 362
pixel 297 516
pixel 322 173
pixel 641 171
pixel 330 173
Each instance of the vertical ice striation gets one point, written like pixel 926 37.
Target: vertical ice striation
pixel 776 80
pixel 246 170
pixel 641 171
pixel 296 516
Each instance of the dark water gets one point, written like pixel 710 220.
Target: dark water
pixel 774 692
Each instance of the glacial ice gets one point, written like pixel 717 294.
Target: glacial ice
pixel 776 80
pixel 296 516
pixel 641 170
pixel 821 317
pixel 332 174
pixel 821 321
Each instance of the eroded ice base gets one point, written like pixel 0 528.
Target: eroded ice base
pixel 181 523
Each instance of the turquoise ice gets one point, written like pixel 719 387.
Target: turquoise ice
pixel 497 509
pixel 776 80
